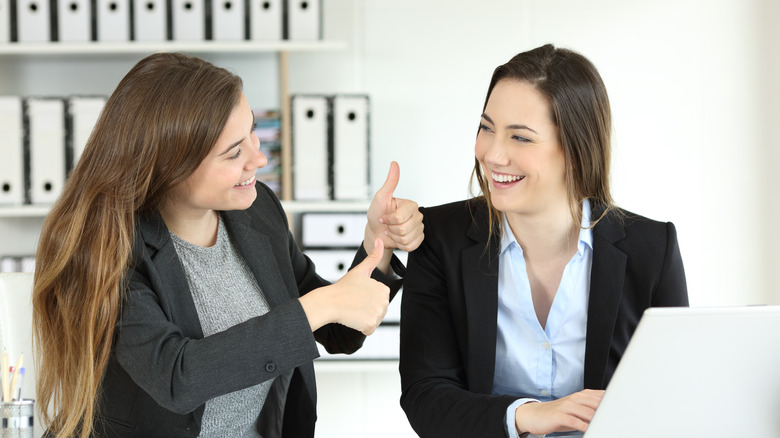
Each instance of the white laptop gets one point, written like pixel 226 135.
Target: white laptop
pixel 696 372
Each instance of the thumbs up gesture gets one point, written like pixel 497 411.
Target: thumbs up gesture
pixel 360 301
pixel 396 221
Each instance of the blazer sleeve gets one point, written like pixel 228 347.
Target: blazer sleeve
pixel 672 289
pixel 435 389
pixel 181 370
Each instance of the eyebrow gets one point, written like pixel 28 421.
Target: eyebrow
pixel 228 148
pixel 515 126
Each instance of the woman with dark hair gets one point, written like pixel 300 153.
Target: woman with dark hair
pixel 520 302
pixel 170 299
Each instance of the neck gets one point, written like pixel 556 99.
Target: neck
pixel 198 227
pixel 546 234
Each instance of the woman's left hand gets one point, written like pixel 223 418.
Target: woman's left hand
pixel 398 222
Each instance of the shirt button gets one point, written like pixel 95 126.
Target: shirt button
pixel 545 393
pixel 546 345
pixel 270 367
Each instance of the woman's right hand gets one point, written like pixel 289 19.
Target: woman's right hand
pixel 569 413
pixel 356 300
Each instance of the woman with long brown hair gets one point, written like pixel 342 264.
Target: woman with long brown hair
pixel 520 302
pixel 170 298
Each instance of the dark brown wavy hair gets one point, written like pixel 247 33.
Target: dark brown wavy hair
pixel 580 109
pixel 155 129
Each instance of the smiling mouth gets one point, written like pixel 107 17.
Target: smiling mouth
pixel 504 178
pixel 247 182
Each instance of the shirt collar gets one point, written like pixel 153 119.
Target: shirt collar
pixel 586 233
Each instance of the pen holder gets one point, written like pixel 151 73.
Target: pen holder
pixel 17 418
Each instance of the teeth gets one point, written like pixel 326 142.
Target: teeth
pixel 247 182
pixel 504 178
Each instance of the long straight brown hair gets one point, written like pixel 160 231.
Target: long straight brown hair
pixel 155 129
pixel 581 111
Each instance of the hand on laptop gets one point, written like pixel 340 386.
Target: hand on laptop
pixel 572 412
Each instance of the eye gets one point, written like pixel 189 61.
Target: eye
pixel 520 139
pixel 254 125
pixel 236 155
pixel 484 127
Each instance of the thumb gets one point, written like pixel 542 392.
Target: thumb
pixel 393 175
pixel 372 260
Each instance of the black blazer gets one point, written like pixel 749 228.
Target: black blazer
pixel 162 370
pixel 450 304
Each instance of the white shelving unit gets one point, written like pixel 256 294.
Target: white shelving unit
pixel 20 225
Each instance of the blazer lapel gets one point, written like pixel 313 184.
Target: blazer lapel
pixel 606 284
pixel 157 239
pixel 258 253
pixel 479 267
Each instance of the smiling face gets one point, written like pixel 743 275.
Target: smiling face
pixel 520 152
pixel 225 179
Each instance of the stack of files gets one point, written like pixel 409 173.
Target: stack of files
pixel 74 21
pixel 113 20
pixel 330 147
pixel 33 21
pixel 265 20
pixel 333 230
pixel 37 21
pixel 310 123
pixel 5 21
pixel 188 20
pixel 150 20
pixel 46 148
pixel 350 147
pixel 304 20
pixel 268 128
pixel 83 112
pixel 12 188
pixel 17 264
pixel 228 20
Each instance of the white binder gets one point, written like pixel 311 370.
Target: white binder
pixel 333 230
pixel 150 20
pixel 74 20
pixel 350 147
pixel 304 20
pixel 265 20
pixel 310 147
pixel 10 264
pixel 189 20
pixel 228 20
pixel 33 21
pixel 331 264
pixel 11 150
pixel 83 113
pixel 46 125
pixel 113 20
pixel 5 21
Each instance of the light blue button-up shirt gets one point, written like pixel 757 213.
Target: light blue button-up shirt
pixel 535 363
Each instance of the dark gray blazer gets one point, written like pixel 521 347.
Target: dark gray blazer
pixel 450 304
pixel 162 370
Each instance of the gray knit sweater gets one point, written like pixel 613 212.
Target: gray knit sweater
pixel 225 294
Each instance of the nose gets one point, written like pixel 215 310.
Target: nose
pixel 258 159
pixel 494 151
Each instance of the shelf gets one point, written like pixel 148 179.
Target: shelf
pixel 289 207
pixel 24 211
pixel 355 366
pixel 95 47
pixel 325 206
